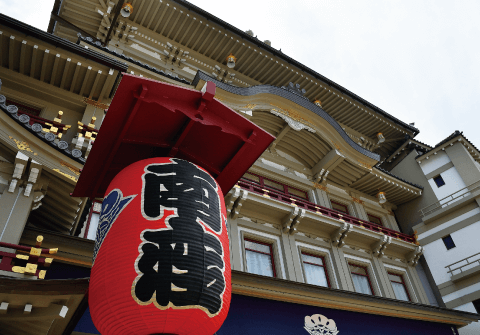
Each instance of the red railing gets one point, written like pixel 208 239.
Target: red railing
pixel 272 194
pixel 33 259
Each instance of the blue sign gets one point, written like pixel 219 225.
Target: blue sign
pixel 255 316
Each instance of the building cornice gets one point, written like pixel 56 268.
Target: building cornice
pixel 457 136
pixel 290 60
pixel 287 291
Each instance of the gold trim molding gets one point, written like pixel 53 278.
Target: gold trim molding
pixel 22 145
pixel 66 175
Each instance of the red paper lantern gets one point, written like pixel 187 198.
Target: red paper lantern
pixel 161 259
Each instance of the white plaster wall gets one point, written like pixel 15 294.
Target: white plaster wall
pixel 448 223
pixel 474 327
pixel 467 241
pixel 453 182
pixel 434 162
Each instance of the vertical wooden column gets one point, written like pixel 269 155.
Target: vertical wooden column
pixel 386 289
pixel 235 252
pixel 340 266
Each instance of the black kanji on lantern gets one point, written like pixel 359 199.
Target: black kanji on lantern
pixel 181 265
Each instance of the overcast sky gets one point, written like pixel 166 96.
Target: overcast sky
pixel 417 60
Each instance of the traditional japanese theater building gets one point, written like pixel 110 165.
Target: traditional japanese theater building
pixel 320 226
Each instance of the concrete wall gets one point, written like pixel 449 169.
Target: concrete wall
pixel 408 213
pixel 453 183
pixel 467 241
pixel 434 162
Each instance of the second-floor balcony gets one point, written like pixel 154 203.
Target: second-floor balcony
pixel 470 190
pixel 464 268
pixel 312 207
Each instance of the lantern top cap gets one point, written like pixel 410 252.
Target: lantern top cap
pixel 149 119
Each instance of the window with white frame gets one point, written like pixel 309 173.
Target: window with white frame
pixel 361 278
pixel 315 270
pixel 259 258
pixel 399 286
pixel 92 221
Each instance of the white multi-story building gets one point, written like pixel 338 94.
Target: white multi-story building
pixel 447 219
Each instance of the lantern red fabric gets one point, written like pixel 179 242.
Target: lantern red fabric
pixel 161 259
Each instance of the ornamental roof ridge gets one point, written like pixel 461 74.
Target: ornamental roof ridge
pixel 455 134
pixel 295 98
pixel 98 45
pixel 11 110
pixel 282 55
pixel 397 177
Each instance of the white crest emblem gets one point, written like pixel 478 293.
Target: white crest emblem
pixel 318 324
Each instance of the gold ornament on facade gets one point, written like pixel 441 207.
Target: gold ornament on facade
pixel 321 187
pixel 294 115
pixel 415 236
pixel 365 165
pixel 95 103
pixel 249 106
pixel 56 127
pixel 66 175
pixel 71 168
pixel 358 201
pixel 22 145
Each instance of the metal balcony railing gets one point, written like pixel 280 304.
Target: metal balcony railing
pixel 442 203
pixel 301 203
pixel 468 262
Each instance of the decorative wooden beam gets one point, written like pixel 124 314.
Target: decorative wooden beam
pixel 75 76
pixel 65 72
pixel 172 11
pixel 327 163
pixel 159 4
pixel 85 80
pixel 22 57
pixel 11 56
pixel 95 83
pixel 55 68
pixel 44 64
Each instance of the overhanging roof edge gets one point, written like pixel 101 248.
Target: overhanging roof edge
pixel 62 43
pixel 280 54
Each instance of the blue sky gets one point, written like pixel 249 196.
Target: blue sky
pixel 417 60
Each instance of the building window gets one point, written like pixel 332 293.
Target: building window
pixel 339 207
pixel 399 286
pixel 448 241
pixel 315 270
pixel 24 109
pixel 275 185
pixel 259 257
pixel 361 280
pixel 439 181
pixel 374 219
pixel 92 221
